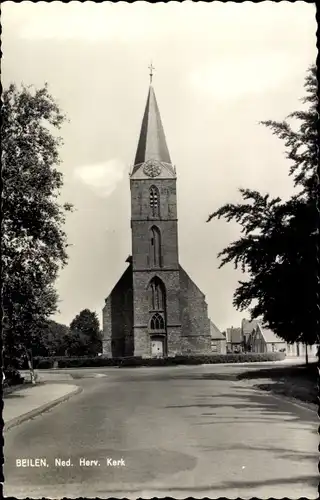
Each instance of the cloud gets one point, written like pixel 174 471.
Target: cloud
pixel 102 178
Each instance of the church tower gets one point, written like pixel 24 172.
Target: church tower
pixel 154 226
pixel 155 309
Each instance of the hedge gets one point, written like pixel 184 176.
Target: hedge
pixel 100 361
pixel 87 362
pixel 204 359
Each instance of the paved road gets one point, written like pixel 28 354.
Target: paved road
pixel 180 431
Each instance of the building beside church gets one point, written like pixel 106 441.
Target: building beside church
pixel 155 309
pixel 252 336
pixel 218 340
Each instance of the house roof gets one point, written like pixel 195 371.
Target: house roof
pixel 248 326
pixel 215 332
pixel 234 335
pixel 269 336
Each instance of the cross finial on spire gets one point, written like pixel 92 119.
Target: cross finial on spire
pixel 151 72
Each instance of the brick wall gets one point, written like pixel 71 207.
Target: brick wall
pixel 174 340
pixel 194 317
pixel 142 312
pixel 141 245
pixel 117 317
pixel 218 346
pixel 276 346
pixel 258 343
pixel 185 303
pixel 106 328
pixel 142 345
pixel 142 220
pixel 165 220
pixel 140 206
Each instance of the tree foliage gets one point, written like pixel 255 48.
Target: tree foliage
pixel 85 332
pixel 34 244
pixel 278 244
pixel 53 340
pixel 302 144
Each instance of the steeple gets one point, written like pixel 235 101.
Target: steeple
pixel 152 143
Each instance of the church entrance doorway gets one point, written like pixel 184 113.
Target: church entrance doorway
pixel 157 348
pixel 157 332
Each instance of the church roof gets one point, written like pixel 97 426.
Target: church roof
pixel 215 332
pixel 248 326
pixel 152 143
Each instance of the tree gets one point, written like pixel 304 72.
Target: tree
pixel 52 341
pixel 34 244
pixel 85 326
pixel 278 246
pixel 76 344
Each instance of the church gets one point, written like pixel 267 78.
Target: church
pixel 155 309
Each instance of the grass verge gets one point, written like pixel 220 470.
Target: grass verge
pixel 299 382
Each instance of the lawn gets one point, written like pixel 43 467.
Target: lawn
pixel 299 381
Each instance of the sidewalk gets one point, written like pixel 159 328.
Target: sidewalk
pixel 25 403
pixel 62 374
pixel 47 375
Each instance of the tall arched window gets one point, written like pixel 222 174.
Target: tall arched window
pixel 155 247
pixel 157 295
pixel 154 200
pixel 157 323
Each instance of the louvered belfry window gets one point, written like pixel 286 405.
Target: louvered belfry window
pixel 154 201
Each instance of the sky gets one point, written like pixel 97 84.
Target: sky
pixel 220 68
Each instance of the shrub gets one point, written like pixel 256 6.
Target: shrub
pixel 87 362
pixel 131 362
pixel 135 361
pixel 203 359
pixel 13 376
pixel 43 363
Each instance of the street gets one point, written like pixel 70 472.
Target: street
pixel 176 431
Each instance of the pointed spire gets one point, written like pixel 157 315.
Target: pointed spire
pixel 152 142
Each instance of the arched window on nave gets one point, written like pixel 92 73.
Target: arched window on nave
pixel 157 295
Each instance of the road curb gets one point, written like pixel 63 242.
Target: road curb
pixel 41 409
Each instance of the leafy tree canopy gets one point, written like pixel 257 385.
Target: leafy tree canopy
pixel 34 244
pixel 85 326
pixel 278 244
pixel 51 340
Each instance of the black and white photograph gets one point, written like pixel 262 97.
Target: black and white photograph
pixel 160 225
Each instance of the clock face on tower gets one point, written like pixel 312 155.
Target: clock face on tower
pixel 152 168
